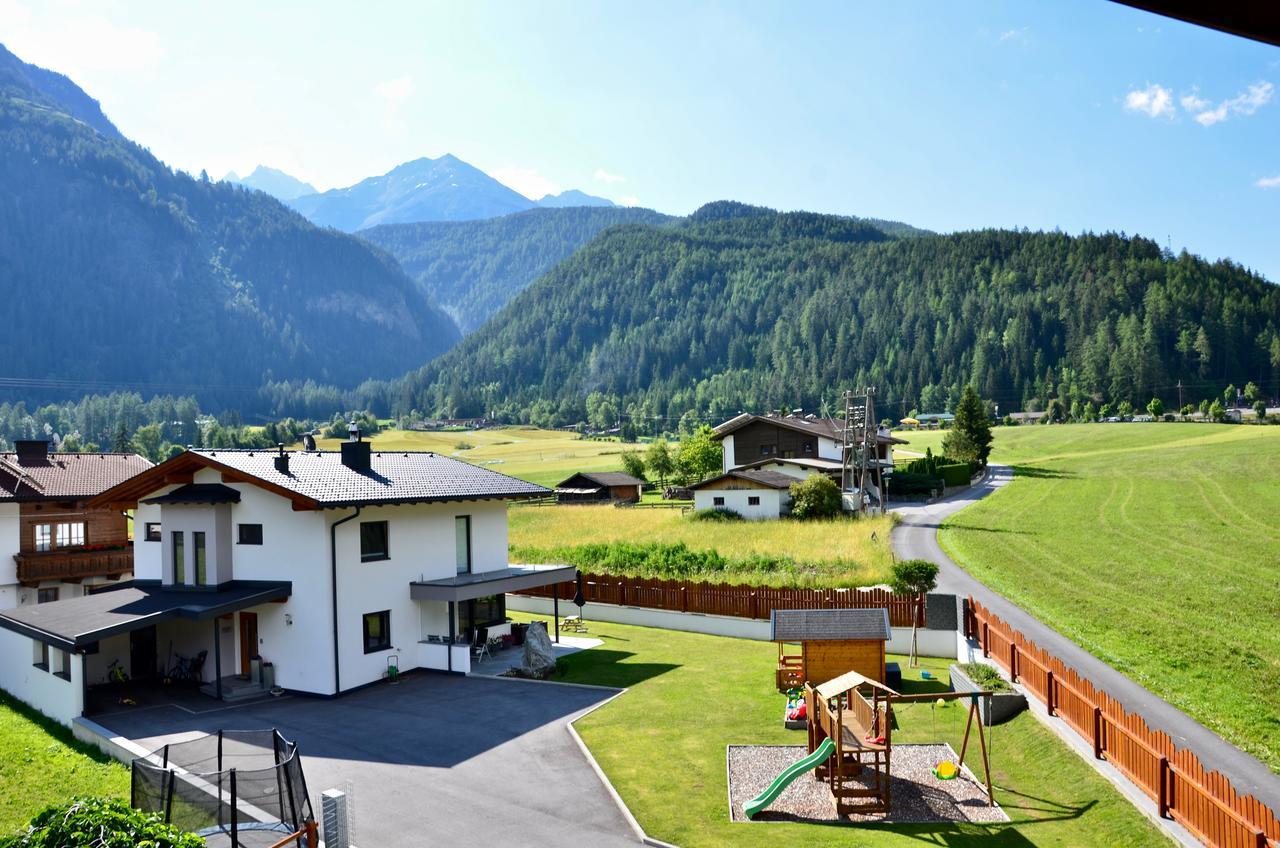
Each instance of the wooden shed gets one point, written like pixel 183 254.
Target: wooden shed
pixel 822 644
pixel 599 486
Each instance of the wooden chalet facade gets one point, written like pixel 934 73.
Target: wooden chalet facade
pixel 599 487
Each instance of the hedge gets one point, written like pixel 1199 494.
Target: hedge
pixel 955 474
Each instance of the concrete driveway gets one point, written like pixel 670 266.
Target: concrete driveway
pixel 433 760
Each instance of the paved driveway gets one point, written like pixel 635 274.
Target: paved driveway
pixel 433 760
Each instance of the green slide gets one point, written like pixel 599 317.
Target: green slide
pixel 783 780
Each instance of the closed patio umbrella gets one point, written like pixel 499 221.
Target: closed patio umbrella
pixel 578 597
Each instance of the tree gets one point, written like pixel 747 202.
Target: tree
pixel 817 496
pixel 120 438
pixel 658 460
pixel 1251 392
pixel 1055 412
pixel 1125 410
pixel 915 577
pixel 1260 410
pixel 633 463
pixel 1217 411
pixel 147 440
pixel 1155 408
pixel 969 438
pixel 1188 410
pixel 1090 412
pixel 700 455
pixel 1205 407
pixel 1229 396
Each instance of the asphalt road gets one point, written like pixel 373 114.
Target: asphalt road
pixel 916 537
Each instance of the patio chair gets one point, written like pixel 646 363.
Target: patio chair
pixel 480 647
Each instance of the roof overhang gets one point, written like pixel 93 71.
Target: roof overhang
pixel 465 587
pixel 76 623
pixel 1259 21
pixel 181 470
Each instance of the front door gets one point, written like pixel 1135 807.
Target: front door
pixel 248 640
pixel 142 653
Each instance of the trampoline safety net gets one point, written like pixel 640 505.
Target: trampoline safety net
pixel 236 788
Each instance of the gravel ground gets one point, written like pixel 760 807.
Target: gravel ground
pixel 917 796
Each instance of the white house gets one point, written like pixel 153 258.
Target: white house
pixel 328 565
pixel 754 494
pixel 52 544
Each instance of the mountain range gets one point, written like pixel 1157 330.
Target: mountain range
pixel 120 270
pixel 276 183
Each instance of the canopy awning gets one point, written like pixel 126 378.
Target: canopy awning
pixel 76 623
pixel 464 587
pixel 850 680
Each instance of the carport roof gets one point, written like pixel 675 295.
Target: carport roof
pixel 464 587
pixel 78 622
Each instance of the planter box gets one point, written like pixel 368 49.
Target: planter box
pixel 1003 705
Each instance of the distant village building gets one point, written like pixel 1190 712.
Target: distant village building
pixel 599 487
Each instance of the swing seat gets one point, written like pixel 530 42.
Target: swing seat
pixel 945 770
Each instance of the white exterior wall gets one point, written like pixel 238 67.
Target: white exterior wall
pixel 147 556
pixel 729 461
pixel 58 698
pixel 9 546
pixel 830 449
pixel 772 501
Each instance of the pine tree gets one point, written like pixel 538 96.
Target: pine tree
pixel 970 435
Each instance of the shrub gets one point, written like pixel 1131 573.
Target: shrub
pixel 985 677
pixel 913 576
pixel 463 445
pixel 815 497
pixel 906 483
pixel 101 823
pixel 954 474
pixel 718 514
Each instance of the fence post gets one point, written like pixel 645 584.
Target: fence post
pixel 684 599
pixel 622 593
pixel 1013 662
pixel 1048 692
pixel 753 606
pixel 1162 792
pixel 1097 732
pixel 986 638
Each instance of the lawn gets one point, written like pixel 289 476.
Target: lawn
pixel 541 456
pixel 662 745
pixel 1154 546
pixel 837 552
pixel 42 763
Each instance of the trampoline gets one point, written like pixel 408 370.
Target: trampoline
pixel 236 788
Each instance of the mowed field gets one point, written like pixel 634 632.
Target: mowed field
pixel 541 456
pixel 839 552
pixel 1154 546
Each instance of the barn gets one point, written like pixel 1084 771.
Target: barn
pixel 817 645
pixel 598 487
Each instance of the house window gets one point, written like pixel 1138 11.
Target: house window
pixel 61 664
pixel 152 532
pixel 808 447
pixel 251 534
pixel 462 543
pixel 40 655
pixel 202 570
pixel 753 500
pixel 179 558
pixel 718 500
pixel 373 541
pixel 71 535
pixel 46 596
pixel 44 537
pixel 377 631
pixel 766 450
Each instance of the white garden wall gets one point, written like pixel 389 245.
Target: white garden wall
pixel 56 697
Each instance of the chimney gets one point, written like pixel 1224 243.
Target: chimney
pixel 355 451
pixel 282 459
pixel 32 451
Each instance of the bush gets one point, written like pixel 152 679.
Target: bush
pixel 954 474
pixel 815 497
pixel 718 514
pixel 101 823
pixel 985 677
pixel 907 483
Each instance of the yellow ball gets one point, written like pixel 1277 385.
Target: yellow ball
pixel 942 702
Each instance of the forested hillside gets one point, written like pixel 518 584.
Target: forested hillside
pixel 472 268
pixel 747 309
pixel 118 269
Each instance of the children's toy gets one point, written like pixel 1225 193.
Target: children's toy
pixel 782 781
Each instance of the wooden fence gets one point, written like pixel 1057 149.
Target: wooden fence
pixel 1200 800
pixel 729 599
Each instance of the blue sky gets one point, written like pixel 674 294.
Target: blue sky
pixel 1082 116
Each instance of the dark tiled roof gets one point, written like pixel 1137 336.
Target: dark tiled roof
pixel 768 479
pixel 63 476
pixel 827 428
pixel 393 477
pixel 815 463
pixel 605 478
pixel 839 624
pixel 198 493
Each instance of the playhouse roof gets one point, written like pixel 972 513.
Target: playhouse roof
pixel 849 680
pixel 808 625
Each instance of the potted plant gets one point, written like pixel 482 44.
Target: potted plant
pixel 980 677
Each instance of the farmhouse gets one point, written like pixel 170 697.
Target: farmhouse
pixel 329 565
pixel 817 645
pixel 52 544
pixel 597 486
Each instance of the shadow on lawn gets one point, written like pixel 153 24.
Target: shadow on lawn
pixel 602 667
pixel 1041 473
pixel 998 834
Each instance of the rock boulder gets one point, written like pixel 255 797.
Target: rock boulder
pixel 539 655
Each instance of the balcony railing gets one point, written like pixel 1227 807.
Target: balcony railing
pixel 73 564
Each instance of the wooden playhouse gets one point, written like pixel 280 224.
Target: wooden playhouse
pixel 823 644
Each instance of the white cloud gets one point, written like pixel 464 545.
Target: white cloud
pixel 604 176
pixel 1154 101
pixel 1019 35
pixel 527 181
pixel 1269 182
pixel 394 90
pixel 80 43
pixel 1246 103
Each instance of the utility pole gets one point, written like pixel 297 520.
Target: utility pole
pixel 860 450
pixel 1179 395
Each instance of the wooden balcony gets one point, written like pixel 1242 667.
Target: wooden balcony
pixel 73 565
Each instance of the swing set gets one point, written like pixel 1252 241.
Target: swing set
pixel 857 714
